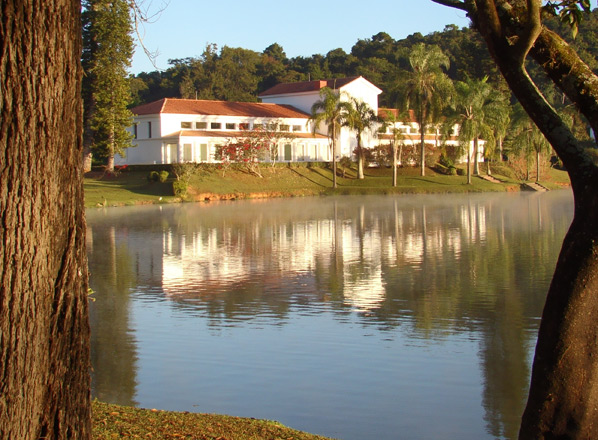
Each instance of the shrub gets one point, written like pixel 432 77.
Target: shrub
pixel 179 188
pixel 153 176
pixel 163 176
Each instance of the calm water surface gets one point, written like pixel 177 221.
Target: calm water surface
pixel 408 317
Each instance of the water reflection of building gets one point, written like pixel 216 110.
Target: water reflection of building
pixel 408 265
pixel 207 258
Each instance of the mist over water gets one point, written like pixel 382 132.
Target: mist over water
pixel 353 317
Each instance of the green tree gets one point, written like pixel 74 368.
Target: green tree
pixel 529 139
pixel 330 110
pixel 427 90
pixel 44 344
pixel 563 396
pixel 477 106
pixel 106 57
pixel 360 118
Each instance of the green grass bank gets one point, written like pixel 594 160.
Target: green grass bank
pixel 132 187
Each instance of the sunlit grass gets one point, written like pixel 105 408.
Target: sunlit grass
pixel 113 421
pixel 132 186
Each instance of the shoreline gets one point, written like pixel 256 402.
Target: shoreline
pixel 111 421
pixel 210 184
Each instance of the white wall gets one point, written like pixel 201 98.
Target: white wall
pixel 302 101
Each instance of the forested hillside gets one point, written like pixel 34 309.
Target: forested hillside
pixel 237 74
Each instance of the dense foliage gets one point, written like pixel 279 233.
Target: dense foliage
pixel 106 58
pixel 239 74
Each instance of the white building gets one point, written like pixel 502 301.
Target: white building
pixel 186 130
pixel 303 95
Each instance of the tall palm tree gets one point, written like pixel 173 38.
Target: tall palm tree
pixel 390 119
pixel 360 118
pixel 332 111
pixel 476 108
pixel 427 90
pixel 529 139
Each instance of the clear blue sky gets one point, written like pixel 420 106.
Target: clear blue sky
pixel 301 28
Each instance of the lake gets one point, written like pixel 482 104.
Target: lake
pixel 386 317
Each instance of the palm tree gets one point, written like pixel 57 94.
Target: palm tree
pixel 390 120
pixel 332 111
pixel 528 138
pixel 476 109
pixel 361 118
pixel 427 90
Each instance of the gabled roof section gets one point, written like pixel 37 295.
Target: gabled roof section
pixel 218 108
pixel 308 86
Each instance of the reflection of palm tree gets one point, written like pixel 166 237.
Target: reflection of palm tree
pixel 330 110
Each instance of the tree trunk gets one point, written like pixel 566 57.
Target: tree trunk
pixel 44 343
pixel 360 160
pixel 87 157
pixel 111 149
pixel 334 163
pixel 394 164
pixel 423 149
pixel 476 164
pixel 468 164
pixel 563 397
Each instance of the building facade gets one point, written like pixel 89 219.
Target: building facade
pixel 185 130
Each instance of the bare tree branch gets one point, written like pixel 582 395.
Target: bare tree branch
pixel 142 15
pixel 457 4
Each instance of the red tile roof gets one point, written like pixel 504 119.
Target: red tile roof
pixel 218 108
pixel 307 86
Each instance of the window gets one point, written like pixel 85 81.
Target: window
pixel 185 124
pixel 203 152
pixel 244 126
pixel 382 130
pixel 187 153
pixel 257 126
pixel 297 128
pixel 134 131
pixel 288 152
pixel 201 125
pixel 285 128
pixel 231 126
pixel 149 129
pixel 216 125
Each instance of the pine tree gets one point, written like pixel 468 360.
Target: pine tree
pixel 107 52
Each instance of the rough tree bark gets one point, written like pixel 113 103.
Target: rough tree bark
pixel 44 332
pixel 563 397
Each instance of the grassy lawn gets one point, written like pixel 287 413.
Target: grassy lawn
pixel 115 422
pixel 132 187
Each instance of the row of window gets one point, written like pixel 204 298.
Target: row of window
pixel 202 125
pixel 205 153
pixel 405 130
